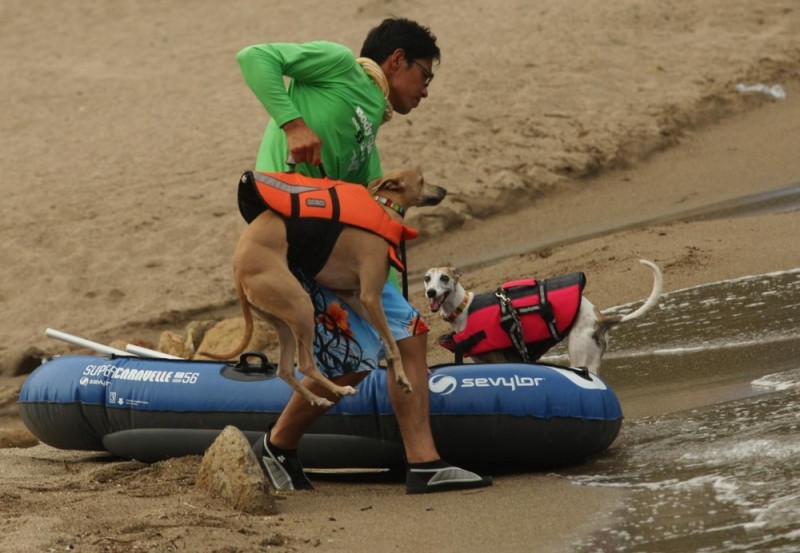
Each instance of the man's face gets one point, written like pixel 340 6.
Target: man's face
pixel 408 83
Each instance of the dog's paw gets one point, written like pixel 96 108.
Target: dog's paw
pixel 322 402
pixel 346 391
pixel 404 383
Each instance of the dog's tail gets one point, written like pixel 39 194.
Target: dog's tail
pixel 248 328
pixel 655 294
pixel 652 300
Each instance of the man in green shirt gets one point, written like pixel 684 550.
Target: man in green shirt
pixel 329 117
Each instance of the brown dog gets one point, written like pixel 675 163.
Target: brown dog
pixel 356 271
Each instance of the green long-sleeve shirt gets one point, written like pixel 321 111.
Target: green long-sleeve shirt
pixel 331 92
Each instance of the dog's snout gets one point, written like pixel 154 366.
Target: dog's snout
pixel 431 293
pixel 433 195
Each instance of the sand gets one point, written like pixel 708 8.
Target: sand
pixel 571 136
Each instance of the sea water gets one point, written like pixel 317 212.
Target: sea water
pixel 724 474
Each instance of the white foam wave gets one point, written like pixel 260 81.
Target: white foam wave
pixel 703 347
pixel 778 382
pixel 666 295
pixel 750 451
pixel 699 348
pixel 784 512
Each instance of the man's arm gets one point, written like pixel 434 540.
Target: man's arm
pixel 264 67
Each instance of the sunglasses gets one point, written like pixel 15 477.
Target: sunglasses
pixel 426 73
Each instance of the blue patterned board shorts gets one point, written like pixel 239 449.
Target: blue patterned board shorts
pixel 345 342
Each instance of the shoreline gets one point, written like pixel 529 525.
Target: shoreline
pixel 568 216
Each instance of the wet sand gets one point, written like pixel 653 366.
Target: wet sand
pixel 151 110
pixel 738 157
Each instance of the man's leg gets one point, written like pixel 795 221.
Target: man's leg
pixel 413 410
pixel 343 359
pixel 276 451
pixel 299 414
pixel 427 472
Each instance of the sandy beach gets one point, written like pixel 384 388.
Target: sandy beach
pixel 575 136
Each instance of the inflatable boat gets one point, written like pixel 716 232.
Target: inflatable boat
pixel 483 415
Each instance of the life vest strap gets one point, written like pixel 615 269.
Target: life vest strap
pixel 510 318
pixel 462 348
pixel 509 321
pixel 544 308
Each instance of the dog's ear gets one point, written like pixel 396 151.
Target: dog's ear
pixel 456 272
pixel 384 183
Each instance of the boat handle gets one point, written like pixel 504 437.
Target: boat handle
pixel 263 365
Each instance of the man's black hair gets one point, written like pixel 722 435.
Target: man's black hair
pixel 416 41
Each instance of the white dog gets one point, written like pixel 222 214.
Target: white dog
pixel 588 337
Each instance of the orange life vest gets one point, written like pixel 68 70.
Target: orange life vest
pixel 298 197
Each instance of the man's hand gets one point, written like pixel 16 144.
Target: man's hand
pixel 304 144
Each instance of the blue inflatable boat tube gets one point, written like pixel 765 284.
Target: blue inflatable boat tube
pixel 481 414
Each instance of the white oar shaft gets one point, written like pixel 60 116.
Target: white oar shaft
pixel 82 342
pixel 145 352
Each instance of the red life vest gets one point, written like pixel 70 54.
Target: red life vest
pixel 297 197
pixel 546 310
